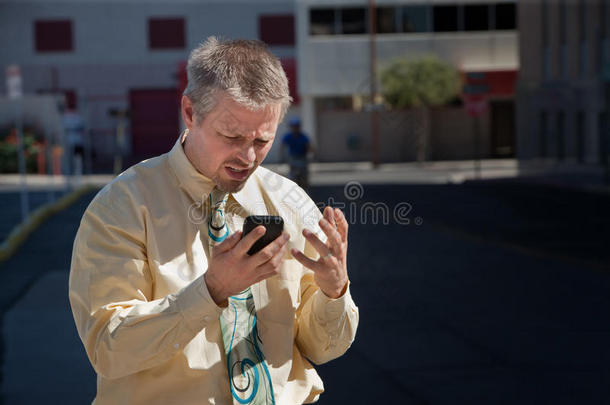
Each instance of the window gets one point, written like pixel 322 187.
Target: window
pixel 476 17
pixel 562 21
pixel 445 18
pixel 602 36
pixel 546 63
pixel 582 20
pixel 563 51
pixel 543 133
pixel 386 20
pixel 561 150
pixel 276 29
pixel 603 126
pixel 506 16
pixel 546 49
pixel 580 136
pixel 322 21
pixel 582 35
pixel 53 36
pixel 166 33
pixel 353 21
pixel 415 19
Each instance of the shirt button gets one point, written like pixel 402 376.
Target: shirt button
pixel 207 318
pixel 176 345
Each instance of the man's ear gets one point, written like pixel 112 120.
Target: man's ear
pixel 188 115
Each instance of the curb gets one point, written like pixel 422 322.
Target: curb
pixel 20 233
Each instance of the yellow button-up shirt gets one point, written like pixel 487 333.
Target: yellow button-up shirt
pixel 142 308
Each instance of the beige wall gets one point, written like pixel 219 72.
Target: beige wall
pixel 451 135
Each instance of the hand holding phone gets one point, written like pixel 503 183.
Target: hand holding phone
pixel 274 226
pixel 234 266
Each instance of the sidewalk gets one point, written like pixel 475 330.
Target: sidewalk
pixel 339 173
pixel 567 176
pixel 36 182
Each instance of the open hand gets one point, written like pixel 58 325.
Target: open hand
pixel 330 270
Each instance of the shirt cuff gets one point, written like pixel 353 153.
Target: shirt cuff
pixel 197 306
pixel 330 309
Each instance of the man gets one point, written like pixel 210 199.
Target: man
pixel 298 146
pixel 170 307
pixel 74 128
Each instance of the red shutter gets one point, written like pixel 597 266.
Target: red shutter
pixel 166 33
pixel 276 29
pixel 53 36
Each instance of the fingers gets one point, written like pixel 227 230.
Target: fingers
pixel 306 261
pixel 228 243
pixel 272 266
pixel 334 238
pixel 317 244
pixel 247 241
pixel 329 216
pixel 269 251
pixel 342 225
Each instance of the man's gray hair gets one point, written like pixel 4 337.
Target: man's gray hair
pixel 243 69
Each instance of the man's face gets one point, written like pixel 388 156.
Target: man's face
pixel 230 142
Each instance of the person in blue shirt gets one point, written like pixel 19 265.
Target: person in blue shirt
pixel 298 146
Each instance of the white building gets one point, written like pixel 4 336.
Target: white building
pixel 127 55
pixel 333 47
pixel 117 55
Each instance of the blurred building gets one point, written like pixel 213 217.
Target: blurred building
pixel 479 37
pixel 564 93
pixel 109 57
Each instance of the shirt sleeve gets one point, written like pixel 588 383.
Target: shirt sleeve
pixel 122 329
pixel 326 327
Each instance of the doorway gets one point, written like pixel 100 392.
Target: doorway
pixel 502 128
pixel 154 117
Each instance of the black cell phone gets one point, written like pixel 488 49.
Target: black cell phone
pixel 274 225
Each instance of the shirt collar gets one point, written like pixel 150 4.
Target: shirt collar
pixel 199 186
pixel 196 185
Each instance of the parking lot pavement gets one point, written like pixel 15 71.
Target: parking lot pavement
pixel 44 358
pixel 10 208
pixel 477 302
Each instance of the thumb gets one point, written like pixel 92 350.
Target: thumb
pixel 228 243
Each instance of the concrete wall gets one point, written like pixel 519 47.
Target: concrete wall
pixel 450 136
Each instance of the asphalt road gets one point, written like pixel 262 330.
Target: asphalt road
pixel 483 293
pixel 10 215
